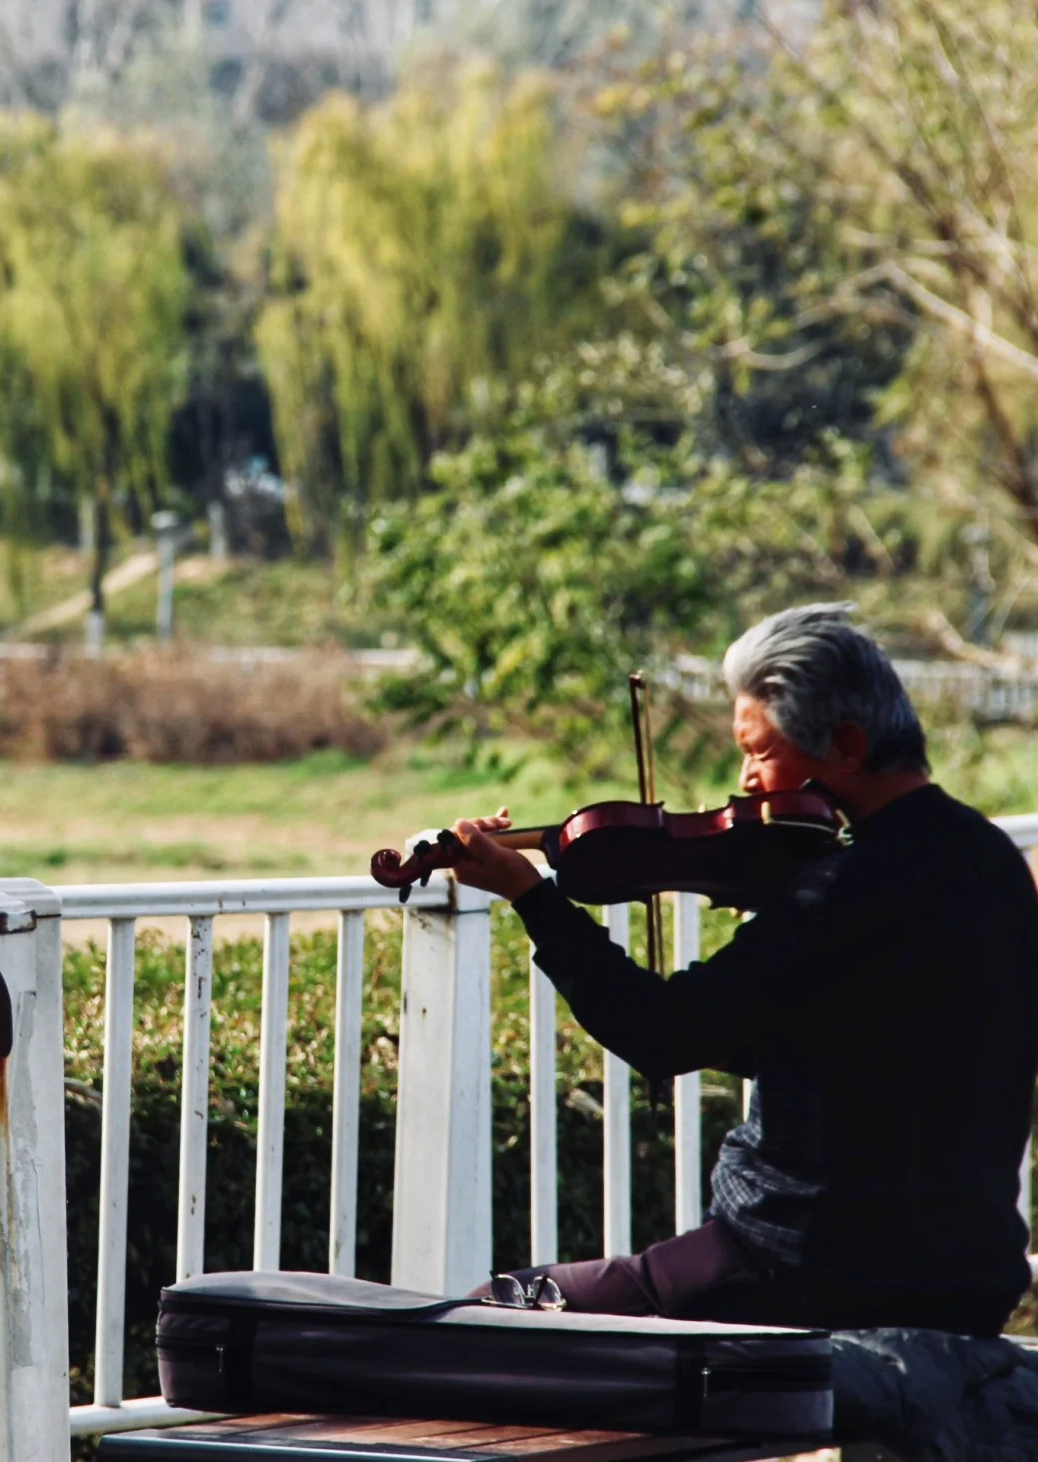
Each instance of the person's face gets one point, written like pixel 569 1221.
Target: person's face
pixel 770 763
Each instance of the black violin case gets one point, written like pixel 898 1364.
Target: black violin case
pixel 247 1342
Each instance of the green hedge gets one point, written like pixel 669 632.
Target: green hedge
pixel 155 1131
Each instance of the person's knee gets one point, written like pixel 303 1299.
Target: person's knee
pixel 610 1286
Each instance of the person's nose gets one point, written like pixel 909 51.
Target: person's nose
pixel 749 775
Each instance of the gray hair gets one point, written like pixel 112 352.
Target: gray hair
pixel 813 669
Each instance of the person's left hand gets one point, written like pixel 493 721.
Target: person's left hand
pixel 484 863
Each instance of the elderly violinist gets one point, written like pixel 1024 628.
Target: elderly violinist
pixel 886 1009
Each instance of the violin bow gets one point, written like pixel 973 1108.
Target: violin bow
pixel 642 723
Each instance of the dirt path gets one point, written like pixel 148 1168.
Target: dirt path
pixel 138 566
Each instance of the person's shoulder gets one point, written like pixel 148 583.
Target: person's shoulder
pixel 922 835
pixel 966 831
pixel 961 816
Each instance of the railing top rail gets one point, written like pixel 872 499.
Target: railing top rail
pixel 1021 827
pixel 239 896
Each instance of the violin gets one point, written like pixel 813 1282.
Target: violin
pixel 740 855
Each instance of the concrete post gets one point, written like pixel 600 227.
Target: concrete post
pixel 94 634
pixel 166 526
pixel 442 1199
pixel 218 547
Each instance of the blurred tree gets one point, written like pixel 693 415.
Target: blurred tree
pixel 269 59
pixel 534 585
pixel 218 172
pixel 162 91
pixel 888 163
pixel 743 254
pixel 52 49
pixel 425 251
pixel 562 33
pixel 101 34
pixel 93 293
pixel 295 51
pixel 931 115
pixel 841 243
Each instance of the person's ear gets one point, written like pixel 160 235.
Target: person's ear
pixel 850 745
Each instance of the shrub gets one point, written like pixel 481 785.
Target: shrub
pixel 172 706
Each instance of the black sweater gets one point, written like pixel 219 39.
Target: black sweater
pixel 888 1009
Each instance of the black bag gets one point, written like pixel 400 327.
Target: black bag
pixel 250 1342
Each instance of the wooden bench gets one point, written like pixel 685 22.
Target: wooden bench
pixel 370 1439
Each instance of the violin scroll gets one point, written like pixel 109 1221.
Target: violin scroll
pixel 392 871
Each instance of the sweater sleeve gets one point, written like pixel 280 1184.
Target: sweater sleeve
pixel 746 996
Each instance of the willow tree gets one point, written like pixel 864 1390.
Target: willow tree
pixel 93 295
pixel 425 251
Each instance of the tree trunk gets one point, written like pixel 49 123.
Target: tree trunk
pixel 102 547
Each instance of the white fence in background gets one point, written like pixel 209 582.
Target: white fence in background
pixel 441 1217
pixel 997 694
pixel 1009 694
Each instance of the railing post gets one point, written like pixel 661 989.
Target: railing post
pixel 544 1163
pixel 616 1126
pixel 688 1121
pixel 441 1206
pixel 33 1241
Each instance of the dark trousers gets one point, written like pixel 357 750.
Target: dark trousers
pixel 707 1274
pixel 693 1276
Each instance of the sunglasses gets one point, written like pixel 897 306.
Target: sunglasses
pixel 542 1293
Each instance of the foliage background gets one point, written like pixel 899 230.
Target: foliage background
pixel 563 359
pixel 784 275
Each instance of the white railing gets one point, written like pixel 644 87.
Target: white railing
pixel 442 1204
pixel 201 904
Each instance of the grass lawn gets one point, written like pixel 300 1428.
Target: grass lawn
pixel 326 814
pixel 245 602
pixel 33 579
